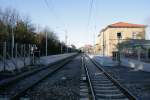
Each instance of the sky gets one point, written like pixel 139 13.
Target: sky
pixel 75 19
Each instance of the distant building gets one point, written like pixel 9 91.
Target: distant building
pixel 107 40
pixel 87 49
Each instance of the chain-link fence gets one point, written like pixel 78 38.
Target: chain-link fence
pixel 14 57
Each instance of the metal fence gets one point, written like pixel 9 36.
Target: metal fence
pixel 15 54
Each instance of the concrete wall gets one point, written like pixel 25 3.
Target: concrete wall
pixel 137 65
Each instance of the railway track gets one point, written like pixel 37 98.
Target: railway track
pixel 96 84
pixel 15 89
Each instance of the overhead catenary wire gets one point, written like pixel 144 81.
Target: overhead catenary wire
pixel 51 8
pixel 90 12
pixel 59 19
pixel 91 3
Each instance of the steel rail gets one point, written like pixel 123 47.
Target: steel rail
pixel 125 91
pixel 89 80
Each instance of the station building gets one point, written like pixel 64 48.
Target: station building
pixel 107 40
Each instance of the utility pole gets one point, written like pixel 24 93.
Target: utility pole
pixel 94 44
pixel 12 48
pixel 46 44
pixel 94 41
pixel 103 43
pixel 66 39
pixel 68 50
pixel 61 48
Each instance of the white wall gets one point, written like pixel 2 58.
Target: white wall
pixel 137 65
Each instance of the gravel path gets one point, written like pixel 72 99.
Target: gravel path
pixel 63 85
pixel 138 82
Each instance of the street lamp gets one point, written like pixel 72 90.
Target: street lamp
pixel 119 36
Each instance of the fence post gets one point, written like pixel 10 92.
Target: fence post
pixel 146 54
pixel 16 56
pixel 33 55
pixel 29 52
pixel 21 50
pixel 139 54
pixel 24 54
pixel 16 50
pixel 61 48
pixel 4 55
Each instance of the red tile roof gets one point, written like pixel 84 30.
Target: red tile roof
pixel 124 25
pixel 88 45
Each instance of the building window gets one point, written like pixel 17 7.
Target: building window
pixel 134 35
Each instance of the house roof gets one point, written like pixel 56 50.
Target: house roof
pixel 126 25
pixel 122 25
pixel 87 45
